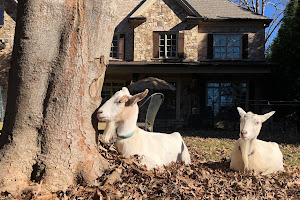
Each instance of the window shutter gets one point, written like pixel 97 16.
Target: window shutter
pixel 155 45
pixel 210 46
pixel 181 45
pixel 245 46
pixel 122 47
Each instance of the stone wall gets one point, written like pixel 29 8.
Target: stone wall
pixel 164 15
pixel 7 31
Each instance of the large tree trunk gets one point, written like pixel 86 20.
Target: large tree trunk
pixel 60 54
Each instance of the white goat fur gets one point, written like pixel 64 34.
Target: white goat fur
pixel 250 153
pixel 156 149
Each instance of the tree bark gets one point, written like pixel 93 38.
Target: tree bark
pixel 59 60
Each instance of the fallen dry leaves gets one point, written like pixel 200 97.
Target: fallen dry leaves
pixel 205 178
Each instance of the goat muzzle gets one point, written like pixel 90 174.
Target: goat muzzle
pixel 244 132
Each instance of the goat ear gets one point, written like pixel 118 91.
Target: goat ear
pixel 241 111
pixel 136 98
pixel 124 99
pixel 267 116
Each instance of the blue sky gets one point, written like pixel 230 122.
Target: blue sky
pixel 271 12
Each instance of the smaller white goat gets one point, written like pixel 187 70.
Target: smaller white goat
pixel 250 153
pixel 157 149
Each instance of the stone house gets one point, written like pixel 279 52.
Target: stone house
pixel 8 14
pixel 211 51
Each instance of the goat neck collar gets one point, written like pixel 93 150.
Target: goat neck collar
pixel 126 136
pixel 251 153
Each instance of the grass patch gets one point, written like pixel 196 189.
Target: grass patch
pixel 291 154
pixel 216 149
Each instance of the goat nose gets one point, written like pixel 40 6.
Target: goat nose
pixel 100 111
pixel 244 132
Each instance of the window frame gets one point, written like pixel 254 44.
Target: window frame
pixel 242 85
pixel 240 46
pixel 111 46
pixel 166 45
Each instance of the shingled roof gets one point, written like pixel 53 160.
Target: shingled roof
pixel 209 10
pixel 221 9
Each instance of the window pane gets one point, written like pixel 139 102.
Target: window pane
pixel 220 55
pixel 225 84
pixel 213 99
pixel 213 84
pixel 114 43
pixel 220 49
pixel 162 51
pixel 233 50
pixel 233 40
pixel 220 40
pixel 161 42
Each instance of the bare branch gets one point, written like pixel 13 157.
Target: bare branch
pixel 257 6
pixel 268 36
pixel 253 6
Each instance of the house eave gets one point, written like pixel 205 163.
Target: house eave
pixel 137 20
pixel 266 22
pixel 206 67
pixel 203 20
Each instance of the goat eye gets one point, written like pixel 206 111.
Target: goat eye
pixel 120 101
pixel 257 123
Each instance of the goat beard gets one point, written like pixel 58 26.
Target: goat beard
pixel 109 131
pixel 245 149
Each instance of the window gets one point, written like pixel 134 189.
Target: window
pixel 1 16
pixel 114 49
pixel 110 88
pixel 167 45
pixel 225 96
pixel 227 46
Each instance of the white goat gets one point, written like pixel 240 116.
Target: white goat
pixel 250 153
pixel 157 149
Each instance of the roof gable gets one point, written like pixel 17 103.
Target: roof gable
pixel 143 8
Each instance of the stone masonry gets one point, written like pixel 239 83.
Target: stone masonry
pixel 168 15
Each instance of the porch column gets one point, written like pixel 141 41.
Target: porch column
pixel 178 93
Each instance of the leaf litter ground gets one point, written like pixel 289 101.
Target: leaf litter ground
pixel 208 177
